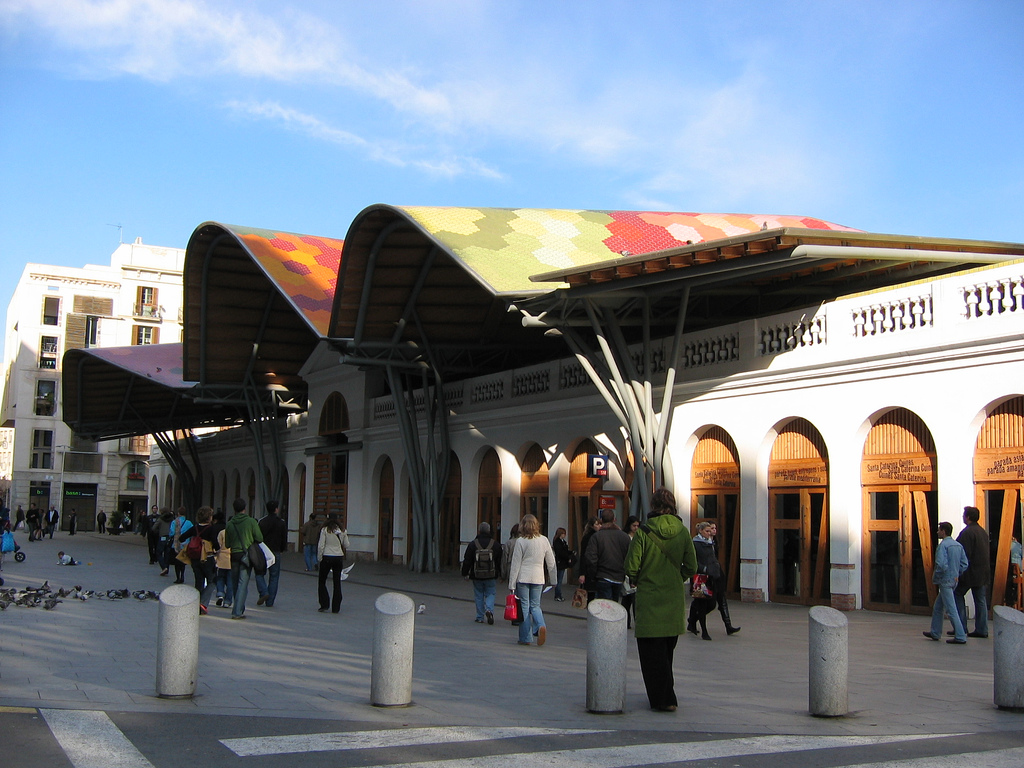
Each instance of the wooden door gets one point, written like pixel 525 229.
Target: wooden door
pixel 899 546
pixel 722 509
pixel 799 567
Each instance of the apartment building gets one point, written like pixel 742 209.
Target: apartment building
pixel 135 300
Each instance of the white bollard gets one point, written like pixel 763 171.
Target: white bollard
pixel 829 662
pixel 606 657
pixel 391 676
pixel 177 644
pixel 1008 658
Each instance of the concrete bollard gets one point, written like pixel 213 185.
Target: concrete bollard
pixel 606 657
pixel 391 676
pixel 177 644
pixel 1008 658
pixel 829 657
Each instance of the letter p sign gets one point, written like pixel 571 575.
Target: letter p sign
pixel 597 465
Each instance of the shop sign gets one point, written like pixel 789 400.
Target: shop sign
pixel 715 476
pixel 1000 467
pixel 797 475
pixel 604 501
pixel 913 470
pixel 597 465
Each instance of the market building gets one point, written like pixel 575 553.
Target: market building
pixel 134 301
pixel 826 395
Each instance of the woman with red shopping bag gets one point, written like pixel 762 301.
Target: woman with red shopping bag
pixel 531 556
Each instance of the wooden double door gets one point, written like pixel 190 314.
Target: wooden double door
pixel 799 570
pixel 899 546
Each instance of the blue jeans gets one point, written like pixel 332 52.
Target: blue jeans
pixel 980 607
pixel 268 586
pixel 533 619
pixel 309 553
pixel 225 586
pixel 945 603
pixel 240 575
pixel 558 584
pixel 483 593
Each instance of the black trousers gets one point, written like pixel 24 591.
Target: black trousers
pixel 656 667
pixel 330 565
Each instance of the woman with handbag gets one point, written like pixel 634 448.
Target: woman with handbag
pixel 565 559
pixel 181 531
pixel 531 555
pixel 330 553
pixel 705 583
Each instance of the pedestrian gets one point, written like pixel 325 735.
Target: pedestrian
pixel 950 563
pixel 565 559
pixel 530 557
pixel 239 533
pixel 19 519
pixel 310 538
pixel 180 532
pixel 720 588
pixel 975 541
pixel 330 553
pixel 606 557
pixel 201 550
pixel 52 518
pixel 153 534
pixel 507 548
pixel 35 524
pixel 708 566
pixel 481 565
pixel 72 522
pixel 163 529
pixel 225 587
pixel 586 579
pixel 101 524
pixel 275 536
pixel 659 561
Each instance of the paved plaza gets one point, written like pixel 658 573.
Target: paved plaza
pixel 292 662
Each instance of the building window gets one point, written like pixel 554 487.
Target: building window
pixel 46 397
pixel 48 352
pixel 145 303
pixel 339 469
pixel 136 478
pixel 92 331
pixel 42 449
pixel 51 310
pixel 146 334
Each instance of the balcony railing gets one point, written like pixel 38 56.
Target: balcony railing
pixel 148 311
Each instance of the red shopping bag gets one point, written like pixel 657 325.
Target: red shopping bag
pixel 513 612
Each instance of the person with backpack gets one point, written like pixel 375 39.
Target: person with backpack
pixel 239 533
pixel 482 565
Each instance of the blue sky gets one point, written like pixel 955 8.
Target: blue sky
pixel 158 115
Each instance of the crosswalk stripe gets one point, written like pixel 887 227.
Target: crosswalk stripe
pixel 995 758
pixel 404 737
pixel 655 754
pixel 91 740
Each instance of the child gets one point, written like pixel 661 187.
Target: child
pixel 63 559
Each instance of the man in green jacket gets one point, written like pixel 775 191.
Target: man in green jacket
pixel 239 533
pixel 659 561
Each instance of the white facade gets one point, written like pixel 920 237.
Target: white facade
pixel 948 350
pixel 136 299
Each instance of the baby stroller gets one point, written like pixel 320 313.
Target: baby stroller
pixel 8 544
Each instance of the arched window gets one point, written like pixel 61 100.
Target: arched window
pixel 334 416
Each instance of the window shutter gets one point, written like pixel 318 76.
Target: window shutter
pixel 74 332
pixel 94 305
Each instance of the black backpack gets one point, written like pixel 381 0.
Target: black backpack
pixel 483 564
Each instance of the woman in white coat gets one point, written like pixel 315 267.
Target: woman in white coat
pixel 531 555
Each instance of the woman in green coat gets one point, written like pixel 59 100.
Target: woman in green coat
pixel 659 561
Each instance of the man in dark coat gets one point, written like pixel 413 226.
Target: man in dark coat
pixel 976 544
pixel 275 536
pixel 605 558
pixel 485 575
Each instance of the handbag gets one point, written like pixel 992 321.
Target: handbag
pixel 257 560
pixel 513 611
pixel 268 554
pixel 579 598
pixel 700 587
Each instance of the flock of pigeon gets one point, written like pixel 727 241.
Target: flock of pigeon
pixel 47 598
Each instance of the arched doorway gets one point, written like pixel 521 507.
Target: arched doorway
pixel 799 568
pixel 330 468
pixel 451 515
pixel 488 490
pixel 998 485
pixel 386 511
pixel 714 496
pixel 900 506
pixel 582 504
pixel 534 487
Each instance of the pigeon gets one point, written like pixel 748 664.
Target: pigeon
pixel 50 604
pixel 422 608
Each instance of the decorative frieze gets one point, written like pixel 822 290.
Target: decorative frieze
pixel 535 382
pixel 572 375
pixel 710 350
pixel 994 298
pixel 488 391
pixel 902 314
pixel 786 336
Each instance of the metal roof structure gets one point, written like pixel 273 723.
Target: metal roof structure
pixel 468 287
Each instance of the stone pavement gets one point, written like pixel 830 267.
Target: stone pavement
pixel 291 661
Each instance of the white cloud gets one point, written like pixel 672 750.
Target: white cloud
pixel 390 153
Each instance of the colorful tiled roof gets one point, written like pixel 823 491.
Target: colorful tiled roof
pixel 160 363
pixel 504 246
pixel 304 267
